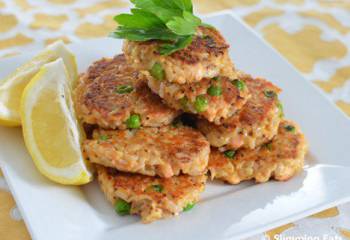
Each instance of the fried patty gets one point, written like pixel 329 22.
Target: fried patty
pixel 206 57
pixel 166 151
pixel 223 97
pixel 111 91
pixel 107 66
pixel 281 159
pixel 152 198
pixel 256 123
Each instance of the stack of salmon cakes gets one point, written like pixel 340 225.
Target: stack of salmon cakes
pixel 199 79
pixel 149 162
pixel 241 116
pixel 145 164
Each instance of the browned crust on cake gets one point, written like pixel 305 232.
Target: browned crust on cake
pixel 176 192
pixel 166 151
pixel 97 101
pixel 280 159
pixel 256 123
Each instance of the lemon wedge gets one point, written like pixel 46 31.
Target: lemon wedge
pixel 51 131
pixel 11 88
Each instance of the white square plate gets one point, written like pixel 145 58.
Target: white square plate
pixel 226 212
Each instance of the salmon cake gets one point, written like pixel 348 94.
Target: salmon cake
pixel 214 99
pixel 256 123
pixel 106 66
pixel 152 198
pixel 206 57
pixel 113 95
pixel 165 151
pixel 280 159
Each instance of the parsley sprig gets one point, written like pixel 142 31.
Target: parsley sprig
pixel 171 21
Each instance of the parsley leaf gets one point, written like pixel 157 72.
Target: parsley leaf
pixel 182 27
pixel 139 19
pixel 189 17
pixel 171 21
pixel 181 43
pixel 142 35
pixel 185 5
pixel 165 10
pixel 186 25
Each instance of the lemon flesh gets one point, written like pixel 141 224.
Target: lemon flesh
pixel 51 131
pixel 11 88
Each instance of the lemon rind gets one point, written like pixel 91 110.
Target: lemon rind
pixel 11 117
pixel 76 174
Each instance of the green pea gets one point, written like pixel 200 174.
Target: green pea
pixel 270 93
pixel 188 207
pixel 268 146
pixel 158 72
pixel 230 153
pixel 240 85
pixel 134 121
pixel 290 128
pixel 124 89
pixel 201 103
pixel 214 91
pixel 122 207
pixel 158 188
pixel 103 137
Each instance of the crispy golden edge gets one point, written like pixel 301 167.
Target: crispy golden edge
pixel 208 41
pixel 146 201
pixel 260 112
pixel 97 101
pixel 206 56
pixel 164 151
pixel 183 97
pixel 280 159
